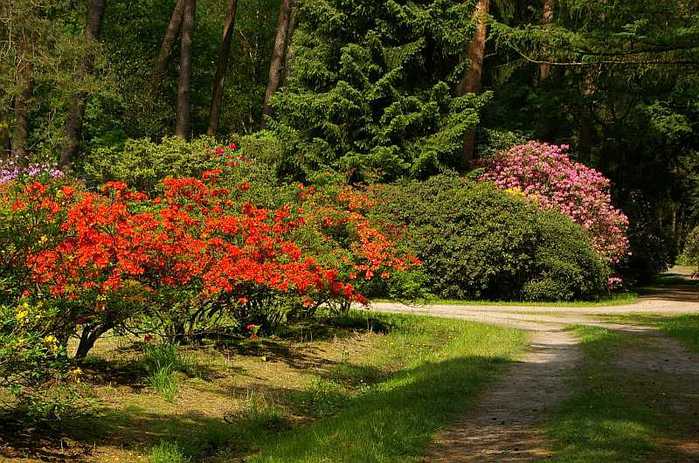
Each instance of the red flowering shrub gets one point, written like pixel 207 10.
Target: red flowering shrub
pixel 201 245
pixel 545 174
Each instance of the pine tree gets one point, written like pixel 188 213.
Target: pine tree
pixel 371 89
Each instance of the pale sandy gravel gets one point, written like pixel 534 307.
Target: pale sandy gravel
pixel 506 425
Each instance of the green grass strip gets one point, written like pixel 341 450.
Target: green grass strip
pixel 443 364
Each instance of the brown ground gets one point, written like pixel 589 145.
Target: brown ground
pixel 263 373
pixel 506 426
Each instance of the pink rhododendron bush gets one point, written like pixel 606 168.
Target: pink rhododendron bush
pixel 545 174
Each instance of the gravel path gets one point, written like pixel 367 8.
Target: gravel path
pixel 505 426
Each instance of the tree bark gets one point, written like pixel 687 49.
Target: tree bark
pixel 22 106
pixel 74 123
pixel 88 337
pixel 173 28
pixel 184 122
pixel 278 53
pixel 547 18
pixel 473 79
pixel 288 52
pixel 5 143
pixel 221 68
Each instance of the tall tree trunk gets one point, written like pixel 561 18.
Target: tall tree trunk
pixel 586 129
pixel 219 80
pixel 278 53
pixel 546 19
pixel 473 79
pixel 184 121
pixel 74 123
pixel 173 28
pixel 288 52
pixel 22 106
pixel 5 143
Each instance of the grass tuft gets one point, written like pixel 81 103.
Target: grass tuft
pixel 167 452
pixel 162 362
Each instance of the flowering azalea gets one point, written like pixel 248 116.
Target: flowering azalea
pixel 547 176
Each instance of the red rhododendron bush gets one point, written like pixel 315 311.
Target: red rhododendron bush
pixel 200 250
pixel 545 174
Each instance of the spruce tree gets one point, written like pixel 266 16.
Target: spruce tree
pixel 372 89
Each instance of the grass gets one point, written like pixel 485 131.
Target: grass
pixel 613 300
pixel 167 452
pixel 443 364
pixel 684 328
pixel 599 422
pixel 375 384
pixel 617 414
pixel 162 362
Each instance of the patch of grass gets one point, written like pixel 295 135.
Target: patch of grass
pixel 437 368
pixel 162 362
pixel 684 328
pixel 613 300
pixel 164 381
pixel 375 380
pixel 167 452
pixel 600 422
pixel 618 413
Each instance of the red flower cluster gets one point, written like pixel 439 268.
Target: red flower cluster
pixel 197 235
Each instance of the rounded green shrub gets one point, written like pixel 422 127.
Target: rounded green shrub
pixel 477 242
pixel 691 248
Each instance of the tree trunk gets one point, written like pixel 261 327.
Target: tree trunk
pixel 74 123
pixel 5 144
pixel 173 28
pixel 586 130
pixel 219 80
pixel 88 337
pixel 547 18
pixel 22 105
pixel 184 122
pixel 278 53
pixel 472 81
pixel 288 52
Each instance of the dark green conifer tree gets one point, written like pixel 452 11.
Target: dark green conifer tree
pixel 371 89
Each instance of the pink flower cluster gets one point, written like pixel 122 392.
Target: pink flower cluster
pixel 10 170
pixel 545 174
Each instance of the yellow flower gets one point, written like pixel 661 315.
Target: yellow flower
pixel 22 314
pixel 43 239
pixel 514 191
pixel 75 374
pixel 50 339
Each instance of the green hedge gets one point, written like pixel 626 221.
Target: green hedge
pixel 478 242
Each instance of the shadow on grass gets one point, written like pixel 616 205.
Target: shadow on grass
pixel 394 419
pixel 617 414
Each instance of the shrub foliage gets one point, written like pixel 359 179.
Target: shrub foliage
pixel 478 242
pixel 546 175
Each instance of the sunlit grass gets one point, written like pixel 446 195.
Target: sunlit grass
pixel 444 364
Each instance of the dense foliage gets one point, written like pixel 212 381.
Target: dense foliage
pixel 691 250
pixel 200 248
pixel 478 242
pixel 545 174
pixel 370 94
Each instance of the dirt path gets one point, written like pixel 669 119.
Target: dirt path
pixel 506 425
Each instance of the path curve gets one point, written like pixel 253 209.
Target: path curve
pixel 505 425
